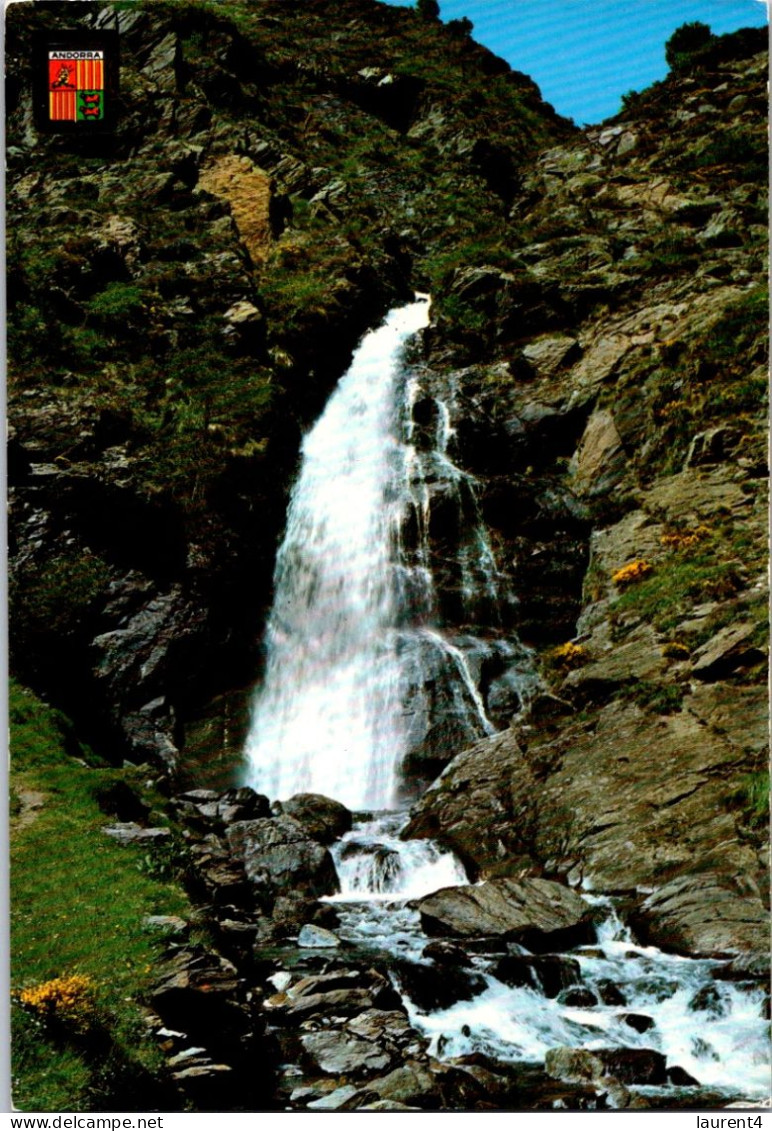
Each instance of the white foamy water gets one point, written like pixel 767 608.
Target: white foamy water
pixel 328 718
pixel 373 864
pixel 722 1041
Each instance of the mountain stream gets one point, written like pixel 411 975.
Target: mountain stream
pixel 359 675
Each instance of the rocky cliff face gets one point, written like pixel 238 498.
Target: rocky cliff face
pixel 614 409
pixel 184 294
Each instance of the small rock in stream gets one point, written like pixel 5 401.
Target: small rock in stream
pixel 317 937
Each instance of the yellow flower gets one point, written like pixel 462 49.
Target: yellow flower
pixel 632 572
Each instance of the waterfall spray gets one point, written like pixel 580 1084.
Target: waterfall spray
pixel 328 718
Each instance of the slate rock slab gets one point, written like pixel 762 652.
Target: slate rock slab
pixel 539 914
pixel 278 854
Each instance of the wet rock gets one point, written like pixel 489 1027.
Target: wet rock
pixel 446 953
pixel 278 855
pixel 629 1066
pixel 322 818
pixel 638 1021
pixel 680 1078
pixel 289 913
pixel 609 993
pixel 339 1054
pixel 481 807
pixel 703 915
pixel 550 972
pixel 753 965
pixel 536 913
pixel 313 936
pixel 709 999
pixel 578 996
pixel 430 987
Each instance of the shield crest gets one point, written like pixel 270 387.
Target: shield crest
pixel 76 85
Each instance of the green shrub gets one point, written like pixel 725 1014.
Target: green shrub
pixel 428 9
pixel 661 698
pixel 752 797
pixel 117 305
pixel 685 42
pixel 56 599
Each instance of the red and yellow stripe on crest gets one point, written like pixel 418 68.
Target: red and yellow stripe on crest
pixel 89 74
pixel 62 106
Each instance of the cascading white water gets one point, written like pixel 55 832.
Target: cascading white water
pixel 374 864
pixel 328 718
pixel 722 1043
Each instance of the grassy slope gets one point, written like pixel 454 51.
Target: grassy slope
pixel 78 900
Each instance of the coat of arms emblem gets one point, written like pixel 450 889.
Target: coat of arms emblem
pixel 76 86
pixel 76 81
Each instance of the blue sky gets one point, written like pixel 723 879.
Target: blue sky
pixel 585 54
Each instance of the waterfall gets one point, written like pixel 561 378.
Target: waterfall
pixel 328 718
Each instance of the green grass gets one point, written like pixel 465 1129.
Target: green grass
pixel 753 795
pixel 661 698
pixel 664 597
pixel 715 569
pixel 77 903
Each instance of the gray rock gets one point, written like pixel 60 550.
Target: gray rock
pixel 127 832
pixel 412 1084
pixel 312 936
pixel 323 819
pixel 548 355
pixel 343 1054
pixel 539 914
pixel 703 914
pixel 629 1066
pixel 600 463
pixel 278 855
pixel 161 66
pixel 334 1101
pixel 383 1026
pixel 730 648
pixel 170 924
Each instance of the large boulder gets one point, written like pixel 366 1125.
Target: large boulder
pixel 343 1054
pixel 705 915
pixel 536 913
pixel 624 797
pixel 481 806
pixel 323 819
pixel 629 1066
pixel 549 973
pixel 430 987
pixel 278 855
